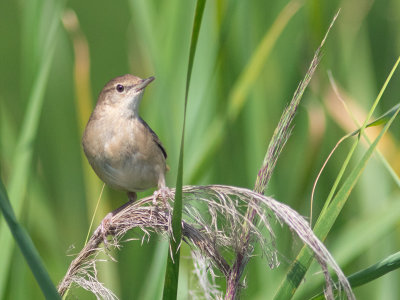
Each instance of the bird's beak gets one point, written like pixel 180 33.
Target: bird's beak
pixel 144 83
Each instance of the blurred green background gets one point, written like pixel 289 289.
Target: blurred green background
pixel 52 71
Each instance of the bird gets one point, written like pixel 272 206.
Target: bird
pixel 124 152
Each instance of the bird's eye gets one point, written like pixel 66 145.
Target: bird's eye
pixel 120 88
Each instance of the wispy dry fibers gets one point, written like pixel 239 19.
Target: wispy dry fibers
pixel 212 225
pixel 283 130
pixel 275 147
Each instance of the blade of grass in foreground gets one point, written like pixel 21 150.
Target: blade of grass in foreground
pixel 172 272
pixel 379 121
pixel 361 132
pixel 371 273
pixel 27 247
pixel 22 162
pixel 22 159
pixel 332 208
pixel 352 242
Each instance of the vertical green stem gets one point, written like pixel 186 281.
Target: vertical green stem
pixel 172 272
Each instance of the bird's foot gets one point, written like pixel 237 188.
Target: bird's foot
pixel 105 224
pixel 165 194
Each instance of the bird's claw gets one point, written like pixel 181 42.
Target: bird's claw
pixel 164 193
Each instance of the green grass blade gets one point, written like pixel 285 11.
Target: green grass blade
pixel 172 272
pixel 375 271
pixel 241 90
pixel 371 273
pixel 361 131
pixel 326 220
pixel 27 247
pixel 351 242
pixel 385 117
pixel 24 150
pixel 22 162
pixel 382 119
pixel 253 69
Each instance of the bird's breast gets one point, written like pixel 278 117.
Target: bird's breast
pixel 123 155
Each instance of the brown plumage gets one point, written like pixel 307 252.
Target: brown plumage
pixel 121 148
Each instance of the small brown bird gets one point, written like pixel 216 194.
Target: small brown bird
pixel 121 148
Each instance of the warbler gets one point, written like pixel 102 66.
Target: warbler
pixel 122 149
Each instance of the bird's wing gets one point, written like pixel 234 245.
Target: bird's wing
pixel 155 138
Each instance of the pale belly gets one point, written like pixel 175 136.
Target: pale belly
pixel 123 156
pixel 132 174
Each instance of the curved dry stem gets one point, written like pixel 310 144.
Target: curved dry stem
pixel 319 175
pixel 213 222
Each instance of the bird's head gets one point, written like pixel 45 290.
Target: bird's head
pixel 124 92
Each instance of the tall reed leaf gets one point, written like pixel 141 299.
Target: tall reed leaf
pixel 24 150
pixel 333 207
pixel 27 247
pixel 278 141
pixel 238 96
pixel 371 273
pixel 172 272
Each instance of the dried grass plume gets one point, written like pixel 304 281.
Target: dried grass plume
pixel 212 226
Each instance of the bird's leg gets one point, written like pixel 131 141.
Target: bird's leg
pixel 132 196
pixel 163 191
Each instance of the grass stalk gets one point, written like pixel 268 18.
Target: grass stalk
pixel 27 247
pixel 333 207
pixel 172 272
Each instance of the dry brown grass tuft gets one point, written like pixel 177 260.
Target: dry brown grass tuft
pixel 213 220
